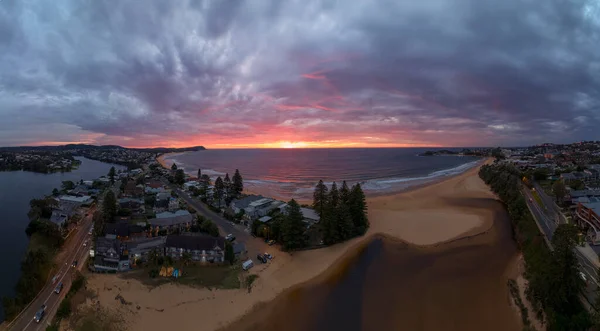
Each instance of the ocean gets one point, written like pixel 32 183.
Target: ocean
pixel 16 189
pixel 293 173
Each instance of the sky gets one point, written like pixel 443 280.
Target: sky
pixel 307 73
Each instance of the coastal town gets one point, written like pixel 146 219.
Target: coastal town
pixel 158 224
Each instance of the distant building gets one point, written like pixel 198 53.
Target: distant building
pixel 169 219
pixel 110 255
pixel 58 217
pixel 202 248
pixel 588 217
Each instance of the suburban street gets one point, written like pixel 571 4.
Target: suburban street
pixel 72 250
pixel 253 245
pixel 548 219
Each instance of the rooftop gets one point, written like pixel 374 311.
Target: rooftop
pixel 245 202
pixel 201 242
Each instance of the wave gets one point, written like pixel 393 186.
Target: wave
pixel 384 185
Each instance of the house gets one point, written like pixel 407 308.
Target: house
pixel 169 219
pixel 162 202
pixel 125 231
pixel 140 250
pixel 133 190
pixel 202 248
pixel 58 217
pixel 189 184
pixel 241 204
pixel 135 205
pixel 588 217
pixel 135 171
pixel 310 216
pixel 265 219
pixel 83 200
pixel 260 208
pixel 173 204
pixel 110 255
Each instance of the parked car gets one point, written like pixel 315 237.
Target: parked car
pixel 268 256
pixel 247 265
pixel 271 242
pixel 261 258
pixel 230 237
pixel 58 288
pixel 74 264
pixel 40 314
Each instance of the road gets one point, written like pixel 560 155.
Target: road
pixel 72 250
pixel 241 233
pixel 548 218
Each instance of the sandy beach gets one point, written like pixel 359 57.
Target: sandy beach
pixel 427 216
pixel 161 159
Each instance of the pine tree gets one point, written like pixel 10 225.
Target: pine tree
pixel 293 227
pixel 179 177
pixel 173 167
pixel 344 222
pixel 109 207
pixel 345 193
pixel 320 198
pixel 358 210
pixel 238 183
pixel 329 226
pixel 334 196
pixel 227 186
pixel 218 190
pixel 111 174
pixel 199 173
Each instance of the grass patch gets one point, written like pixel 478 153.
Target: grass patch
pixel 250 280
pixel 213 276
pixel 226 277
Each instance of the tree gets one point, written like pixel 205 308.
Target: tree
pixel 199 173
pixel 229 255
pixel 67 185
pixel 173 167
pixel 345 223
pixel 358 209
pixel 237 183
pixel 218 190
pixel 204 183
pixel 329 226
pixel 320 198
pixel 540 174
pixel 41 208
pixel 293 227
pixel 111 175
pixel 559 190
pixel 109 207
pixel 334 196
pixel 227 186
pixel 208 227
pixel 345 193
pixel 55 192
pixel 179 177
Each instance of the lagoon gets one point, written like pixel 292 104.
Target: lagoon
pixel 17 188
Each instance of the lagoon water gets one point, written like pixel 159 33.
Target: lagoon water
pixel 294 172
pixel 395 286
pixel 17 188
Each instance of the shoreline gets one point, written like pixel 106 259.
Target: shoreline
pixel 424 217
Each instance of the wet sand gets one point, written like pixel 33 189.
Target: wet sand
pixel 392 285
pixel 437 279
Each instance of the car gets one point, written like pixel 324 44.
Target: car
pixel 261 258
pixel 85 244
pixel 58 288
pixel 583 277
pixel 74 264
pixel 54 279
pixel 268 256
pixel 530 200
pixel 271 242
pixel 230 237
pixel 40 314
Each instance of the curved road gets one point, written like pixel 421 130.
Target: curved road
pixel 72 250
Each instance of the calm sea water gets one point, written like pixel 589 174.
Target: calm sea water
pixel 294 172
pixel 16 189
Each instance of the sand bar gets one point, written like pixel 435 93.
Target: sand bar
pixel 423 216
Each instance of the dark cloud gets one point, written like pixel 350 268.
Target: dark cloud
pixel 435 72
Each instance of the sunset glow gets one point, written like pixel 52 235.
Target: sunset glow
pixel 290 75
